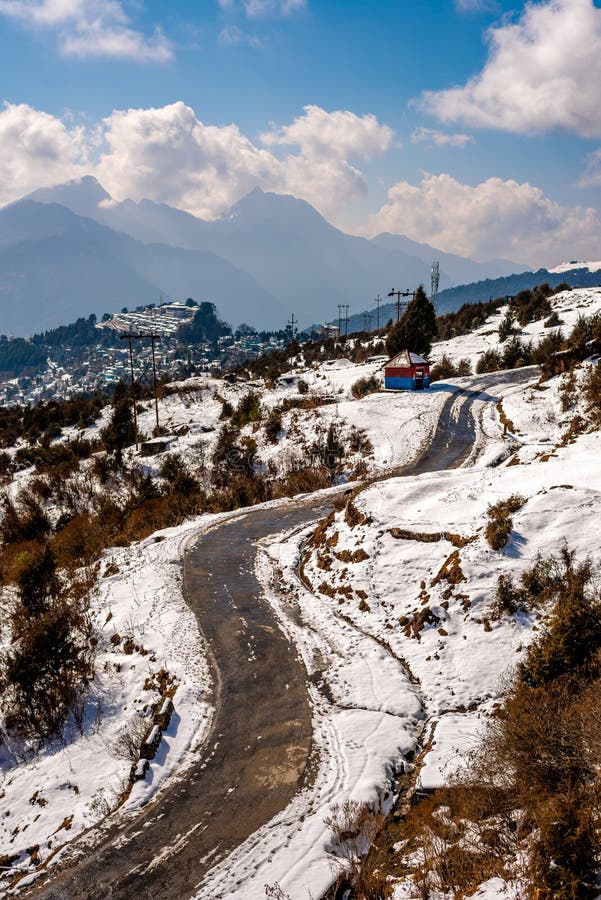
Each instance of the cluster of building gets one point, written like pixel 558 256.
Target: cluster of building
pixel 98 367
pixel 164 320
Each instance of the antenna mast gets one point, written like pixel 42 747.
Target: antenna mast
pixel 434 282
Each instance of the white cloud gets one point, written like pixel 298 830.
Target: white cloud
pixel 322 172
pixel 339 134
pixel 90 28
pixel 38 150
pixel 591 177
pixel 255 9
pixel 434 138
pixel 233 36
pixel 169 155
pixel 468 6
pixel 495 218
pixel 543 72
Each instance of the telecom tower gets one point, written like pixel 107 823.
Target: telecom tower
pixel 434 282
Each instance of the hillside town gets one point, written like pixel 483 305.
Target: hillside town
pixel 98 367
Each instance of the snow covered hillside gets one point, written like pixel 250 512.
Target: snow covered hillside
pixel 568 305
pixel 149 646
pixel 396 607
pixel 390 603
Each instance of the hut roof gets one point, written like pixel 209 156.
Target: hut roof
pixel 407 358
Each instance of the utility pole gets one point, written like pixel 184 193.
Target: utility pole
pixel 340 308
pixel 292 327
pixel 398 295
pixel 435 282
pixel 367 317
pixel 377 301
pixel 153 337
pixel 346 307
pixel 127 337
pixel 132 335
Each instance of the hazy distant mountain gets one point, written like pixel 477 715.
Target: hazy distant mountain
pixel 282 245
pixel 83 196
pixel 56 266
pixel 454 269
pixel 282 242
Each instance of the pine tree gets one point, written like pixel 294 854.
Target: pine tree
pixel 120 431
pixel 417 327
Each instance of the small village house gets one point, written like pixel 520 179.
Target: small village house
pixel 407 371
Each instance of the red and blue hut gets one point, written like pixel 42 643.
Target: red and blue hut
pixel 407 371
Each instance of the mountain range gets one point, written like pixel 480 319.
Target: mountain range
pixel 71 250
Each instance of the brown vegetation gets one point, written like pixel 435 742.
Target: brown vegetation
pixel 499 525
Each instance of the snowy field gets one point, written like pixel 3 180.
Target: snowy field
pixel 369 713
pixel 393 616
pixel 382 418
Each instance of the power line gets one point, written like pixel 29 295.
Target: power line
pixel 398 295
pixel 140 336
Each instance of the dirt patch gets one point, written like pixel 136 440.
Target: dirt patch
pixel 431 537
pixel 352 557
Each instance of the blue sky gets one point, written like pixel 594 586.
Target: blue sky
pixel 474 125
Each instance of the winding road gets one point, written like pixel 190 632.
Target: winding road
pixel 259 747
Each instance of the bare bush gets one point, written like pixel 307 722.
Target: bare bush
pixel 128 742
pixel 365 386
pixel 353 826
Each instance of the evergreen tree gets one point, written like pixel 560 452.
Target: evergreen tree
pixel 206 325
pixel 416 328
pixel 120 432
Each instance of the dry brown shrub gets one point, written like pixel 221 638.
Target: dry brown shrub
pixel 503 418
pixel 414 624
pixel 450 571
pixel 153 515
pixel 79 542
pixel 353 515
pixel 128 741
pixel 353 826
pixel 431 537
pixel 591 386
pixel 355 556
pixel 499 525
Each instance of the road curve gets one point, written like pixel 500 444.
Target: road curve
pixel 257 753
